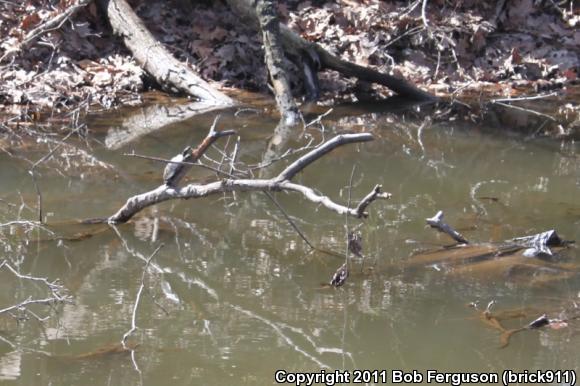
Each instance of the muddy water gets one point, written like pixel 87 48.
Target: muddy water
pixel 235 294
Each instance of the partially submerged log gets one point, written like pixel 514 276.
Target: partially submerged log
pixel 281 182
pixel 170 73
pixel 510 260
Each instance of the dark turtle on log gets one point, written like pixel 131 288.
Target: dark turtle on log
pixel 174 171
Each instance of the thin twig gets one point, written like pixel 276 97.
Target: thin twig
pixel 269 195
pixel 41 160
pixel 424 13
pixel 27 302
pixel 534 112
pixel 50 25
pixel 525 98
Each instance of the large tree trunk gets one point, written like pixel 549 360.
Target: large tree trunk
pixel 170 73
pixel 274 53
pixel 298 47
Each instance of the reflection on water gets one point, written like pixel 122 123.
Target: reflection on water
pixel 235 294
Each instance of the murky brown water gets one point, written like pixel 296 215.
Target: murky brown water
pixel 235 294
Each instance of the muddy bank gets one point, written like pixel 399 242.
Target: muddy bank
pixel 468 52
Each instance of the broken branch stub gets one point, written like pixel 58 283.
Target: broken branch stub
pixel 280 182
pixel 437 223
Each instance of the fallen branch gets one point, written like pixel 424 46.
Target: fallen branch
pixel 526 110
pixel 437 222
pixel 281 182
pixel 169 72
pixel 372 196
pixel 294 43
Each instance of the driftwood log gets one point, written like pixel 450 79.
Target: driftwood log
pixel 281 182
pixel 170 73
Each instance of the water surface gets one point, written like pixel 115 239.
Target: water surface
pixel 235 294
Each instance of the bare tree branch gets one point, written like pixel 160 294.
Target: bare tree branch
pixel 372 196
pixel 279 183
pixel 57 296
pixel 308 158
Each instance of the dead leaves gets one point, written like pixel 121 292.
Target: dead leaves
pixel 464 44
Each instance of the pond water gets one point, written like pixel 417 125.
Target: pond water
pixel 235 294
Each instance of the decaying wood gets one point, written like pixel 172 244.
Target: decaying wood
pixel 373 195
pixel 274 53
pixel 45 27
pixel 281 182
pixel 169 72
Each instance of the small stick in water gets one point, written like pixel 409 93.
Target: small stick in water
pixel 437 223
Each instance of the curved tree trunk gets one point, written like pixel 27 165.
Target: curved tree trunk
pixel 169 72
pixel 298 47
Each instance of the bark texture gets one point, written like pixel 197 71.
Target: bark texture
pixel 317 58
pixel 274 53
pixel 170 73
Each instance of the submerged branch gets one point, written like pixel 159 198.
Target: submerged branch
pixel 437 223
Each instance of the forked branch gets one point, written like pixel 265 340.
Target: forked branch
pixel 281 182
